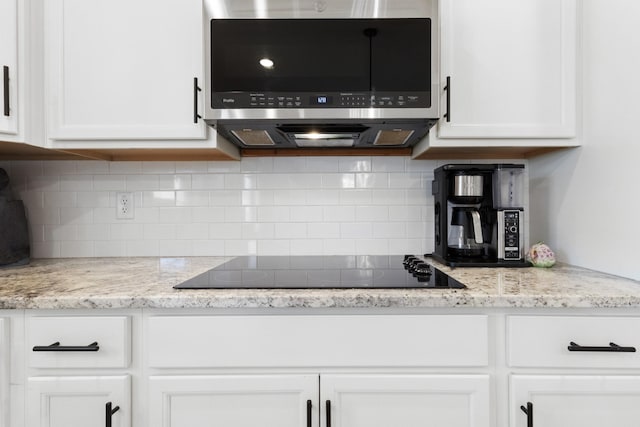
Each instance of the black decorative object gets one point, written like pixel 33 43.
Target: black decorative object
pixel 14 231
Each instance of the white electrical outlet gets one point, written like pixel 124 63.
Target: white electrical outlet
pixel 124 206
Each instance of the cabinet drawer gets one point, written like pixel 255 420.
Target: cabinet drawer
pixel 546 341
pixel 296 341
pixel 83 342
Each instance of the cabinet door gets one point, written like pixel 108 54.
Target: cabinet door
pixel 8 66
pixel 575 401
pixel 234 401
pixel 512 68
pixel 405 400
pixel 78 401
pixel 123 69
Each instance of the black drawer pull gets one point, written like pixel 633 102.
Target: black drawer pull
pixel 57 347
pixel 5 80
pixel 529 411
pixel 328 414
pixel 109 413
pixel 196 89
pixel 612 348
pixel 309 407
pixel 447 87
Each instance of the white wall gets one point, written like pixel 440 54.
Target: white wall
pixel 585 202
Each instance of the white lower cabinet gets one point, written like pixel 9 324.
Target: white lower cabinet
pixel 4 372
pixel 575 401
pixel 233 400
pixel 405 400
pixel 95 401
pixel 331 400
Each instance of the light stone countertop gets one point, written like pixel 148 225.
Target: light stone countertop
pixel 148 283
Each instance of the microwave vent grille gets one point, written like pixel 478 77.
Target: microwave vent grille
pixel 251 137
pixel 390 137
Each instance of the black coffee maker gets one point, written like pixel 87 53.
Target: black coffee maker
pixel 479 215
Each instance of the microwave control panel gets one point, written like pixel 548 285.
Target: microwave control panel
pixel 242 100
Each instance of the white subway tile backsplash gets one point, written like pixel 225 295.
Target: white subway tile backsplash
pixel 273 214
pixel 225 231
pixel 307 247
pixel 208 248
pixel 142 248
pixel 260 205
pixel 174 182
pixel 54 233
pixel 207 181
pixel 354 164
pixel 109 182
pixel 306 214
pixel 274 247
pixel 258 231
pixel 59 199
pixel 76 249
pixel 124 168
pixel 192 198
pixel 192 231
pixel 372 180
pixel 356 230
pixel 159 231
pixel 241 247
pixel 92 167
pixel 75 183
pixel 94 199
pixel 206 214
pixel 109 248
pixel 239 181
pixel 142 182
pixel 290 197
pixel 373 214
pixel 355 197
pixel 339 213
pixel 175 248
pixel 323 230
pixel 126 231
pixel 240 214
pixel 388 164
pixel 291 230
pixel 191 167
pixel 158 198
pixel 97 232
pixel 76 216
pixel 339 180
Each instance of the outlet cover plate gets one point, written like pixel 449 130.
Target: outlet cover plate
pixel 124 206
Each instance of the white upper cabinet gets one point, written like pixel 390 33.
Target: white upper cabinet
pixel 511 67
pixel 8 68
pixel 123 69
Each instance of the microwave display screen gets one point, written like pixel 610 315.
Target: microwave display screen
pixel 321 56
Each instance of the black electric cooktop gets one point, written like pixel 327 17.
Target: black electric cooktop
pixel 339 271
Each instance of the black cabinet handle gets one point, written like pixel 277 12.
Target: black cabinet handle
pixel 196 89
pixel 529 411
pixel 611 348
pixel 328 403
pixel 309 407
pixel 447 115
pixel 109 413
pixel 57 347
pixel 5 79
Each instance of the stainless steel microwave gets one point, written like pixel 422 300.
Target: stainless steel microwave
pixel 350 76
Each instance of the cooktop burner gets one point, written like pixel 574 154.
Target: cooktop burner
pixel 334 271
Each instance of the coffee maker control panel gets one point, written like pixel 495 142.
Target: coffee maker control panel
pixel 511 235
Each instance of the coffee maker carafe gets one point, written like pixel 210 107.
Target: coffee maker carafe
pixel 479 215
